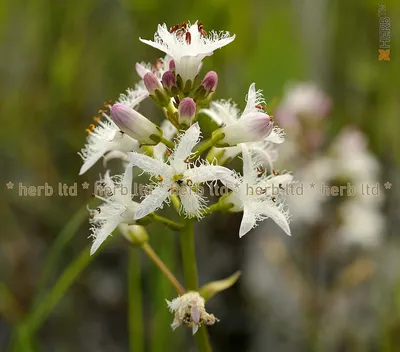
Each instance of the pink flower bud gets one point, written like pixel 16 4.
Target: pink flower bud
pixel 135 124
pixel 252 127
pixel 210 81
pixel 172 65
pixel 168 80
pixel 151 82
pixel 187 111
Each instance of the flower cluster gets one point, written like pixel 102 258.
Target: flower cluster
pixel 176 156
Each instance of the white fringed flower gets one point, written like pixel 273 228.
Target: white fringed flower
pixel 106 137
pixel 179 176
pixel 118 207
pixel 189 309
pixel 188 46
pixel 259 196
pixel 251 126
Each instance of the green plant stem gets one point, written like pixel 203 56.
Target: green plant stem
pixel 190 274
pixel 135 301
pixel 217 207
pixel 207 144
pixel 168 143
pixel 170 223
pixel 157 261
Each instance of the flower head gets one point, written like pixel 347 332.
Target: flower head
pixel 251 126
pixel 190 310
pixel 117 208
pixel 188 45
pixel 104 138
pixel 259 195
pixel 180 176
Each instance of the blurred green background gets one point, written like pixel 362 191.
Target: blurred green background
pixel 62 59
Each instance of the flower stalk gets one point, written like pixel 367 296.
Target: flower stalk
pixel 191 278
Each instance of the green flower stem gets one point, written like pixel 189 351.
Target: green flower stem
pixel 207 144
pixel 176 203
pixel 217 207
pixel 157 261
pixel 170 223
pixel 190 274
pixel 135 308
pixel 43 310
pixel 168 143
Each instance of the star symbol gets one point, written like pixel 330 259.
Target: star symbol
pixel 312 185
pixel 85 185
pixel 387 185
pixel 384 55
pixel 9 185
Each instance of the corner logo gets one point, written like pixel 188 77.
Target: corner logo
pixel 384 55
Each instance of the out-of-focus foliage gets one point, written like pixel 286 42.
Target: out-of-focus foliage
pixel 62 59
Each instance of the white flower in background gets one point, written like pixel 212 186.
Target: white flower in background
pixel 253 125
pixel 180 176
pixel 189 309
pixel 104 138
pixel 169 131
pixel 353 160
pixel 117 208
pixel 319 172
pixel 304 99
pixel 188 45
pixel 259 196
pixel 361 224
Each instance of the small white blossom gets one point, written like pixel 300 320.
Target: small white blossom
pixel 259 195
pixel 117 208
pixel 106 137
pixel 134 96
pixel 248 127
pixel 188 46
pixel 190 310
pixel 179 176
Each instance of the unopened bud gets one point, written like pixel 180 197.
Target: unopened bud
pixel 151 82
pixel 135 124
pixel 168 80
pixel 252 128
pixel 172 65
pixel 210 81
pixel 135 234
pixel 187 111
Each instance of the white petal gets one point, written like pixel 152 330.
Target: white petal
pixel 195 328
pixel 102 234
pixel 276 136
pixel 195 314
pixel 150 165
pixel 192 202
pixel 207 173
pixel 248 222
pixel 276 213
pixel 92 160
pixel 184 148
pixel 153 201
pixel 254 98
pixel 115 154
